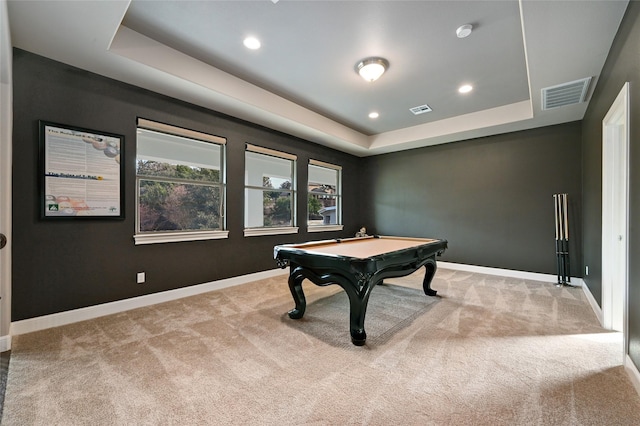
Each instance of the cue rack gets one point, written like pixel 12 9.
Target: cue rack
pixel 562 239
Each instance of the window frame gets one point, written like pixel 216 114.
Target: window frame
pixel 339 226
pixel 271 230
pixel 154 237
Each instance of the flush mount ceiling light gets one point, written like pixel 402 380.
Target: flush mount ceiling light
pixel 464 30
pixel 465 88
pixel 374 115
pixel 372 68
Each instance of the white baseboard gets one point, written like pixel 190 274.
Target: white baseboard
pixel 592 301
pixel 5 343
pixel 633 372
pixel 90 312
pixel 535 276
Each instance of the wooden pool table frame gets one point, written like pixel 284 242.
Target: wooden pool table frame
pixel 337 262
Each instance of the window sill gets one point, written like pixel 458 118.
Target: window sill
pixel 325 228
pixel 174 237
pixel 255 232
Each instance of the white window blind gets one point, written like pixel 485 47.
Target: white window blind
pixel 163 148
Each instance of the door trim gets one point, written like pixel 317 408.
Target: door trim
pixel 616 117
pixel 6 132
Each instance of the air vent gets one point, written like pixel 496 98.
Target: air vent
pixel 420 109
pixel 565 94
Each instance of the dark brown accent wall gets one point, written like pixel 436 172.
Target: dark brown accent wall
pixel 58 266
pixel 491 198
pixel 622 65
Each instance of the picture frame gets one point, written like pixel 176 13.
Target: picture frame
pixel 81 173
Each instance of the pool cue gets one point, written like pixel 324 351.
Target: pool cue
pixel 562 239
pixel 555 216
pixel 566 240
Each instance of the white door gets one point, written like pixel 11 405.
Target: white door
pixel 6 118
pixel 615 174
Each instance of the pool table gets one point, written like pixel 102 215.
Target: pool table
pixel 357 265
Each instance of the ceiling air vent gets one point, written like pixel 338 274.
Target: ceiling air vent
pixel 565 94
pixel 420 109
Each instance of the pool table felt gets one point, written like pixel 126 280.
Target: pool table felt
pixel 363 248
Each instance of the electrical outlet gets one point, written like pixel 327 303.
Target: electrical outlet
pixel 586 270
pixel 141 277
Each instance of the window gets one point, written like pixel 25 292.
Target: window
pixel 324 198
pixel 270 192
pixel 180 184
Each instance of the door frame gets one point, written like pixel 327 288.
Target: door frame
pixel 6 132
pixel 615 127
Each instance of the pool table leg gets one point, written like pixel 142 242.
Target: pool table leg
pixel 357 310
pixel 295 286
pixel 431 268
pixel 357 300
pixel 356 327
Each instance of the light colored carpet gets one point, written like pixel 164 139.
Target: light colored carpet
pixel 487 351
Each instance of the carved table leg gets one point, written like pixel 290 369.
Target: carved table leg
pixel 358 335
pixel 358 309
pixel 295 285
pixel 430 267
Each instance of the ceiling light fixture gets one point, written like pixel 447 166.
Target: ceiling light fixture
pixel 465 89
pixel 372 68
pixel 251 43
pixel 464 30
pixel 374 115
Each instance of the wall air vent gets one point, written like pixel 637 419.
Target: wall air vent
pixel 420 109
pixel 565 94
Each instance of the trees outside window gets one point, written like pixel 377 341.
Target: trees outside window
pixel 179 182
pixel 189 199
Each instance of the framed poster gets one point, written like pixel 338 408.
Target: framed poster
pixel 82 173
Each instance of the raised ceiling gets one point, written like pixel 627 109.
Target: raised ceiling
pixel 303 81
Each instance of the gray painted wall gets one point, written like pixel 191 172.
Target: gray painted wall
pixel 622 65
pixel 58 266
pixel 491 198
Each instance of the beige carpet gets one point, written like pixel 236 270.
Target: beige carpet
pixel 487 351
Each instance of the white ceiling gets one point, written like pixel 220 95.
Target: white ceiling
pixel 303 79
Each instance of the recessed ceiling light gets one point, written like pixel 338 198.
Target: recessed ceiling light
pixel 251 43
pixel 374 115
pixel 465 89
